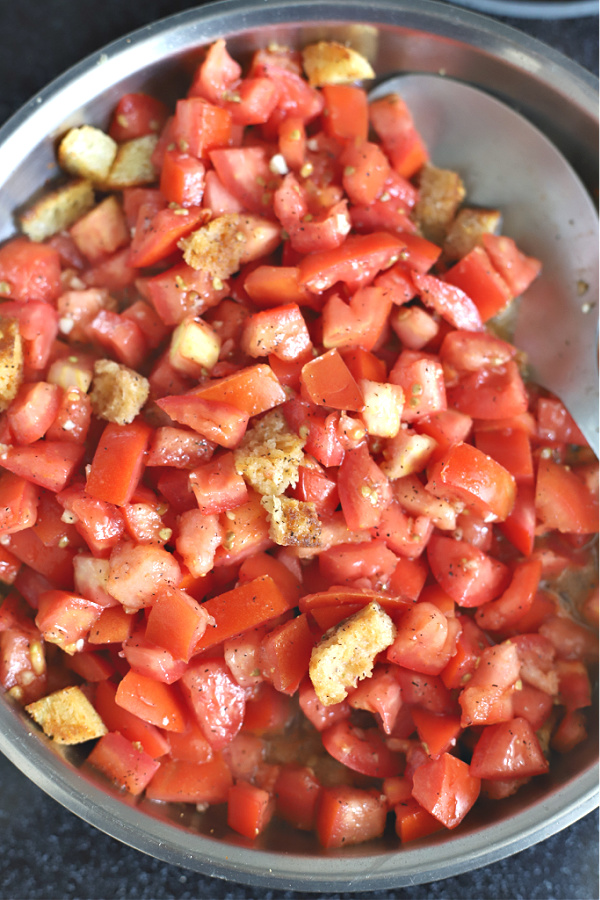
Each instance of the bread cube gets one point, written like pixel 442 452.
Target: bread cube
pixel 67 716
pixel 328 62
pixel 118 393
pixel 58 209
pixel 88 152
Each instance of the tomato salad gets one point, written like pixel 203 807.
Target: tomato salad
pixel 283 525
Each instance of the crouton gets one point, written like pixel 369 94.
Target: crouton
pixel 57 210
pixel 88 152
pixel 67 716
pixel 118 393
pixel 467 228
pixel 328 62
pixel 11 360
pixel 221 246
pixel 133 164
pixel 292 523
pixel 269 455
pixel 345 654
pixel 440 194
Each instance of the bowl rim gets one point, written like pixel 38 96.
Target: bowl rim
pixel 29 752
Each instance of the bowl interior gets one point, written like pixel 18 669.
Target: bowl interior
pixel 396 36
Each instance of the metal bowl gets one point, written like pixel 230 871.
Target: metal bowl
pixel 396 35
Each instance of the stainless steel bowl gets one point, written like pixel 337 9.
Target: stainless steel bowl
pixel 397 35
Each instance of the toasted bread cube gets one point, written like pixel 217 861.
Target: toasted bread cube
pixel 346 654
pixel 118 393
pixel 292 523
pixel 328 62
pixel 11 360
pixel 133 164
pixel 440 194
pixel 467 228
pixel 58 209
pixel 67 716
pixel 269 455
pixel 88 152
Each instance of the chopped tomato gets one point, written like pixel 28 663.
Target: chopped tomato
pixel 446 788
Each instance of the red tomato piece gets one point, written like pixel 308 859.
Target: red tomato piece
pixel 217 485
pixel 320 716
pixel 64 618
pixel 413 822
pixel 355 262
pixel 515 602
pixel 182 179
pixel 475 275
pixel 248 605
pixel 348 815
pixel 129 725
pixel 446 788
pixel 467 475
pixel 176 622
pixel 135 115
pixel 380 694
pixel 363 489
pixel 393 122
pixel 49 464
pixel 563 501
pixel 496 393
pixel 297 794
pixel 280 330
pixel 217 701
pixel 150 700
pixel 249 809
pixel 123 763
pixel 285 654
pixel 470 576
pixel 438 734
pixel 158 233
pixel 328 381
pixel 421 377
pixel 182 781
pixel 421 639
pixel 346 114
pixel 38 325
pixel 487 697
pixel 508 750
pixel 252 390
pixel 362 750
pixel 29 271
pixel 118 462
pixel 517 270
pixel 18 503
pixel 448 301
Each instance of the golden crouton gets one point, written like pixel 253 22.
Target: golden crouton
pixel 226 242
pixel 88 152
pixel 67 716
pixel 328 62
pixel 440 194
pixel 58 209
pixel 292 523
pixel 133 164
pixel 11 360
pixel 269 455
pixel 118 393
pixel 467 228
pixel 346 653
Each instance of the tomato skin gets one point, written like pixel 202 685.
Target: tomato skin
pixel 328 381
pixel 151 700
pixel 508 750
pixel 497 393
pixel 217 701
pixel 425 639
pixel 285 654
pixel 515 602
pixel 446 789
pixel 487 697
pixel 380 694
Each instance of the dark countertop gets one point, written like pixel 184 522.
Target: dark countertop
pixel 46 851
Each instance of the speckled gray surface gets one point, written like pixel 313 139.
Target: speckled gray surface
pixel 46 852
